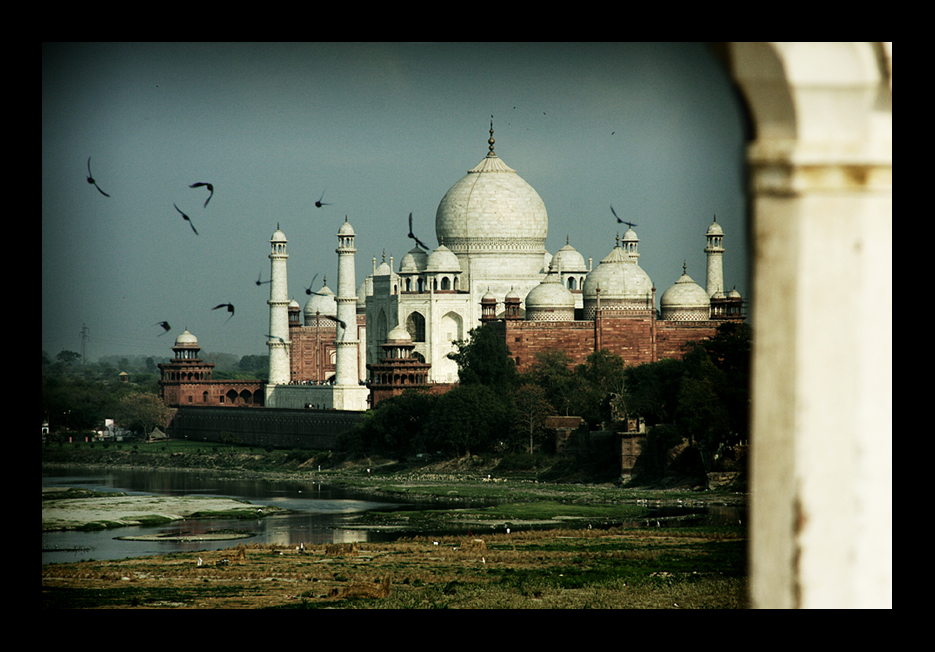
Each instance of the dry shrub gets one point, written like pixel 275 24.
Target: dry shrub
pixel 363 590
pixel 342 549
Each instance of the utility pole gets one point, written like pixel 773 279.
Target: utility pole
pixel 85 336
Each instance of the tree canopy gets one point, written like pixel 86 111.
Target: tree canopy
pixel 702 397
pixel 484 359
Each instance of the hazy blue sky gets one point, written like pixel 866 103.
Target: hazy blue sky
pixel 381 129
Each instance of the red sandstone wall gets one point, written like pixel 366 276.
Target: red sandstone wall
pixel 629 337
pixel 310 358
pixel 672 337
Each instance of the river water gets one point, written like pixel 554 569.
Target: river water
pixel 317 514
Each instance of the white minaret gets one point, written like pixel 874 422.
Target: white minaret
pixel 346 372
pixel 715 251
pixel 278 313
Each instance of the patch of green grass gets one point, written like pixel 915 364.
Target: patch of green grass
pixel 130 596
pixel 552 509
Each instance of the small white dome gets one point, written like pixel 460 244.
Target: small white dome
pixel 414 261
pixel 278 236
pixel 383 270
pixel 715 228
pixel 550 300
pixel 322 303
pixel 569 260
pixel 442 260
pixel 346 228
pixel 398 334
pixel 186 339
pixel 685 301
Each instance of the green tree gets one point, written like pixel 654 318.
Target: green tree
pixel 600 377
pixel 730 351
pixel 254 363
pixel 394 427
pixel 652 390
pixel 553 372
pixel 485 359
pixel 530 410
pixel 141 412
pixel 467 418
pixel 68 357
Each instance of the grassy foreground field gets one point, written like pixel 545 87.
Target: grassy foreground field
pixel 551 569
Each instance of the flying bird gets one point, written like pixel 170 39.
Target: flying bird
pixel 619 221
pixel 259 282
pixel 92 181
pixel 275 337
pixel 230 309
pixel 210 190
pixel 165 325
pixel 319 203
pixel 187 219
pixel 411 235
pixel 308 290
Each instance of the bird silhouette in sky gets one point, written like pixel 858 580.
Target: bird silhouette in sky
pixel 210 190
pixel 259 282
pixel 320 203
pixel 275 337
pixel 619 221
pixel 230 309
pixel 165 325
pixel 187 219
pixel 92 181
pixel 343 325
pixel 411 235
pixel 308 290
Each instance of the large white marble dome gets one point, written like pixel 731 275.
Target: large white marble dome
pixel 492 212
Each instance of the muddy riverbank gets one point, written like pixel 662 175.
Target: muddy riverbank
pixel 62 510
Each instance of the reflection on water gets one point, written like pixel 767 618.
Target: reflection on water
pixel 317 514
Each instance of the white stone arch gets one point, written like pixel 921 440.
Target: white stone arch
pixel 820 169
pixel 452 327
pixel 415 324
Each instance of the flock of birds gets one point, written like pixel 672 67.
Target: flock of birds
pixel 229 306
pixel 318 204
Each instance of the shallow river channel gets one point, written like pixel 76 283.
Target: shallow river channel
pixel 317 514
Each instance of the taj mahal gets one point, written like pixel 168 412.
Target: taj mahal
pixel 395 331
pixel 349 350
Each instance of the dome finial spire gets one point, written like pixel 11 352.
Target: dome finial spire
pixel 491 141
pixel 684 267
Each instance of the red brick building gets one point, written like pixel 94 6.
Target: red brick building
pixel 187 380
